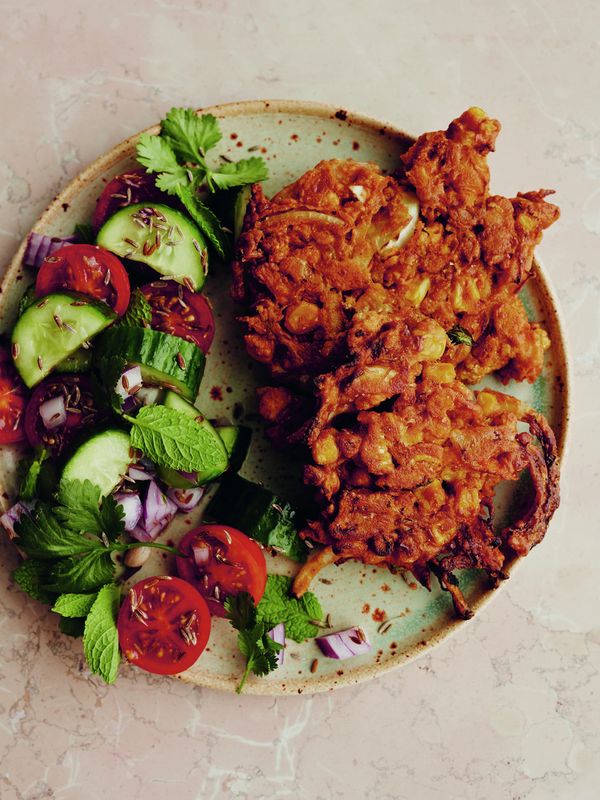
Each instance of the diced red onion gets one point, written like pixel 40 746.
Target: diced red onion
pixel 186 499
pixel 201 553
pixel 149 395
pixel 140 534
pixel 14 514
pixel 40 247
pixel 129 382
pixel 130 404
pixel 53 412
pixel 159 510
pixel 132 508
pixel 344 644
pixel 278 635
pixel 139 474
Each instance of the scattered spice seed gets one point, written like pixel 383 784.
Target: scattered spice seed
pixel 40 363
pixel 133 244
pixel 77 303
pixel 52 259
pixel 43 303
pixel 188 284
pixel 253 148
pixel 58 321
pixel 125 382
pixel 181 361
pixel 16 349
pixel 314 664
pixel 70 328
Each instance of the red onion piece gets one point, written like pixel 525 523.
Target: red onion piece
pixel 129 382
pixel 159 510
pixel 278 635
pixel 344 644
pixel 139 474
pixel 140 534
pixel 201 553
pixel 132 508
pixel 53 412
pixel 186 499
pixel 40 247
pixel 14 514
pixel 149 395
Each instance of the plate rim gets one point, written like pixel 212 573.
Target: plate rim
pixel 311 108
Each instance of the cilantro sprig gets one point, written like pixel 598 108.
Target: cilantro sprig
pixel 253 639
pixel 178 158
pixel 253 623
pixel 69 566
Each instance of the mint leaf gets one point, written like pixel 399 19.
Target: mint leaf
pixel 29 483
pixel 71 626
pixel 189 135
pixel 30 577
pixel 100 637
pixel 81 508
pixel 459 335
pixel 41 536
pixel 206 220
pixel 172 439
pixel 138 314
pixel 253 639
pixel 85 233
pixel 239 173
pixel 277 606
pixel 83 574
pixel 74 605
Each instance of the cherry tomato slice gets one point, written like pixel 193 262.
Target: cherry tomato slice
pixel 180 312
pixel 13 399
pixel 163 625
pixel 88 269
pixel 222 561
pixel 81 407
pixel 136 186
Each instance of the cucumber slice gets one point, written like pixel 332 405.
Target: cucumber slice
pixel 103 460
pixel 176 479
pixel 260 514
pixel 79 361
pixel 135 231
pixel 237 443
pixel 239 210
pixel 54 328
pixel 164 360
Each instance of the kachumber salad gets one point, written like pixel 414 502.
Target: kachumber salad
pixel 100 379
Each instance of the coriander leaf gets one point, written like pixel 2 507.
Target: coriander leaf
pixel 172 439
pixel 29 483
pixel 253 639
pixel 138 314
pixel 239 173
pixel 72 627
pixel 30 577
pixel 189 135
pixel 74 605
pixel 296 613
pixel 81 508
pixel 206 220
pixel 155 153
pixel 84 574
pixel 41 536
pixel 459 335
pixel 85 234
pixel 100 637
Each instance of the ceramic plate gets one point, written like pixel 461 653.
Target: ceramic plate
pixel 292 137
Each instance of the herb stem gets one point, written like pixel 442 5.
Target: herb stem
pixel 156 545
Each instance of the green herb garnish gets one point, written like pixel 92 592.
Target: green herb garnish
pixel 459 335
pixel 173 439
pixel 178 158
pixel 138 314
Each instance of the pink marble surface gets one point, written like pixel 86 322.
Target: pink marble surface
pixel 508 708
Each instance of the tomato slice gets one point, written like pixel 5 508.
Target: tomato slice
pixel 81 407
pixel 136 186
pixel 88 269
pixel 222 561
pixel 163 625
pixel 13 399
pixel 180 312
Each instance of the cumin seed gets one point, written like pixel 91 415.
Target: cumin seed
pixel 40 363
pixel 43 303
pixel 181 361
pixel 16 349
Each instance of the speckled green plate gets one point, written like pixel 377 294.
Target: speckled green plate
pixel 294 136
